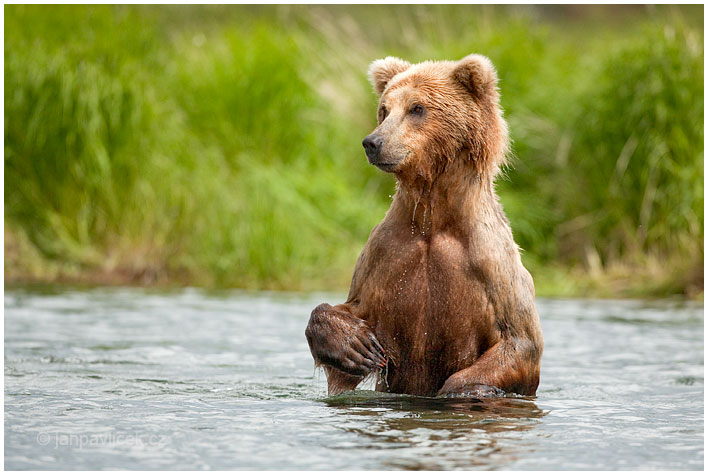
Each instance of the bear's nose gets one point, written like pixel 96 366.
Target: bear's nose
pixel 372 146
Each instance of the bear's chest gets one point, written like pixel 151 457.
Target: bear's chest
pixel 426 308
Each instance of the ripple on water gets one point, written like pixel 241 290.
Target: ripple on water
pixel 135 379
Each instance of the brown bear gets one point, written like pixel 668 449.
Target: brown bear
pixel 440 303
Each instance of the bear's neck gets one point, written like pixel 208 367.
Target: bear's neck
pixel 453 200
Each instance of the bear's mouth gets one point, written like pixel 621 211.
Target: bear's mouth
pixel 387 167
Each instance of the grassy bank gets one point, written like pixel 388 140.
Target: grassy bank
pixel 220 146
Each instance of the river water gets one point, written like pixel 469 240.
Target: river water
pixel 137 379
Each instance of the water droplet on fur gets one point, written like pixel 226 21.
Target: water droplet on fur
pixel 415 208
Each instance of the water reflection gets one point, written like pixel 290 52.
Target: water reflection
pixel 437 433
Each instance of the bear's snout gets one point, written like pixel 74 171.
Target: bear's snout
pixel 372 145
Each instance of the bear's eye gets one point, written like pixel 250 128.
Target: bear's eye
pixel 417 109
pixel 382 113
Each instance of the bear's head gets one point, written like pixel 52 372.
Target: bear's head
pixel 436 112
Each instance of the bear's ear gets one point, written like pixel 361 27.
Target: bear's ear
pixel 382 71
pixel 477 74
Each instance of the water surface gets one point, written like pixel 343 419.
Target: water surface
pixel 134 379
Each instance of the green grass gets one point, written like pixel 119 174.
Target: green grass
pixel 220 146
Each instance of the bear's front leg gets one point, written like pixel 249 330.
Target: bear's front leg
pixel 345 345
pixel 509 366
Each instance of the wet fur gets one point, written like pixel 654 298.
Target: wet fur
pixel 440 284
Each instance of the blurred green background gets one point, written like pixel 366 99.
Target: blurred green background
pixel 221 145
